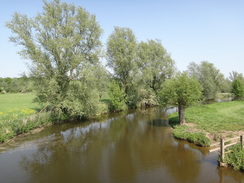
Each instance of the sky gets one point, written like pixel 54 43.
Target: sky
pixel 190 30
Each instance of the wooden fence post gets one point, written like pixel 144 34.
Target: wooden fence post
pixel 222 149
pixel 241 141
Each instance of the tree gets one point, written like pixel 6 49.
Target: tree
pixel 234 75
pixel 121 55
pixel 238 88
pixel 117 97
pixel 225 86
pixel 84 95
pixel 181 91
pixel 154 63
pixel 14 86
pixel 58 42
pixel 208 76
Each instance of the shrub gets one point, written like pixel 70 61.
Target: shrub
pixel 235 158
pixel 10 128
pixel 117 98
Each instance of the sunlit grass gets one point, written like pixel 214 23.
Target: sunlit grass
pixel 14 106
pixel 18 114
pixel 217 117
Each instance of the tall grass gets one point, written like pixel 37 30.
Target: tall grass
pixel 18 114
pixel 10 128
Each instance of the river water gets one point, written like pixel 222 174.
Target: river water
pixel 134 146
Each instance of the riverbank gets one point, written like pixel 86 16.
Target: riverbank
pixel 129 146
pixel 206 124
pixel 18 114
pixel 224 119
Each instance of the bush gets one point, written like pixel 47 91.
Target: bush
pixel 235 158
pixel 117 98
pixel 147 98
pixel 10 128
pixel 238 88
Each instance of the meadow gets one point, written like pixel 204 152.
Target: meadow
pixel 19 114
pixel 211 121
pixel 218 117
pixel 13 106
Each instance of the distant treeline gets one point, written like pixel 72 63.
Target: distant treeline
pixel 16 85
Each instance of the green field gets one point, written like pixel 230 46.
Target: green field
pixel 218 117
pixel 17 105
pixel 211 121
pixel 18 114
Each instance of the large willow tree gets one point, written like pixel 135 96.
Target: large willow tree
pixel 154 63
pixel 121 55
pixel 59 41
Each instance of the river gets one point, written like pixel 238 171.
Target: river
pixel 134 146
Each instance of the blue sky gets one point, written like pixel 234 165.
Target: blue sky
pixel 190 30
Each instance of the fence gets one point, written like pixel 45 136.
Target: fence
pixel 223 144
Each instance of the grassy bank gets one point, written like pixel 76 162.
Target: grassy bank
pixel 207 123
pixel 225 119
pixel 18 114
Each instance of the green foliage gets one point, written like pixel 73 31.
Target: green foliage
pixel 82 101
pixel 117 97
pixel 208 76
pixel 181 91
pixel 154 63
pixel 60 41
pixel 235 75
pixel 16 85
pixel 238 88
pixel 83 96
pixel 10 128
pixel 236 157
pixel 225 86
pixel 147 98
pixel 186 133
pixel 121 55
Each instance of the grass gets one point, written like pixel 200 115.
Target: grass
pixel 217 117
pixel 187 133
pixel 14 106
pixel 18 114
pixel 211 120
pixel 236 157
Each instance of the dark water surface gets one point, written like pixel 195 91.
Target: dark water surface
pixel 137 146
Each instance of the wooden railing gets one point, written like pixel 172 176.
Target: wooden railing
pixel 223 144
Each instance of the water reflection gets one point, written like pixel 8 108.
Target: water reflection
pixel 136 147
pixel 114 148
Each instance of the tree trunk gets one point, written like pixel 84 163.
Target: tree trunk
pixel 181 113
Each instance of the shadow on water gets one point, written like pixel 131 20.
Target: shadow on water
pixel 159 122
pixel 137 146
